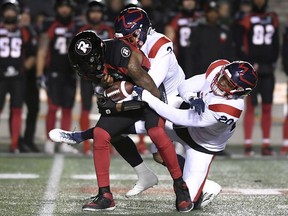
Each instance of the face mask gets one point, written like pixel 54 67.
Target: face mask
pixel 64 20
pixel 10 20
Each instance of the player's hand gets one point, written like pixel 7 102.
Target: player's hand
pixel 107 80
pixel 41 82
pixel 106 106
pixel 198 105
pixel 137 93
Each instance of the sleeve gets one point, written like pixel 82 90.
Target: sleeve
pixel 159 68
pixel 188 118
pixel 275 40
pixel 30 41
pixel 285 51
pixel 191 86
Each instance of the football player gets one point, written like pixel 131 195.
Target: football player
pixel 180 29
pixel 61 79
pixel 223 88
pixel 17 54
pixel 260 46
pixel 128 64
pixel 94 16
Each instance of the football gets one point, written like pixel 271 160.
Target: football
pixel 119 91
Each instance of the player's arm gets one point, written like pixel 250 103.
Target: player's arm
pixel 187 118
pixel 41 54
pixel 139 75
pixel 189 87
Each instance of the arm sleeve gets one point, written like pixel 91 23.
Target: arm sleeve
pixel 191 86
pixel 159 68
pixel 187 118
pixel 285 51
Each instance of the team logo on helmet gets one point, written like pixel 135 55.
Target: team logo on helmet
pixel 83 47
pixel 125 52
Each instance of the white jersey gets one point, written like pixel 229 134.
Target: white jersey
pixel 215 126
pixel 164 66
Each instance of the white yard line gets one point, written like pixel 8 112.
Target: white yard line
pixel 49 199
pixel 18 176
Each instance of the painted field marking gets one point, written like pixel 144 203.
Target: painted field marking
pixel 18 176
pixel 244 191
pixel 49 199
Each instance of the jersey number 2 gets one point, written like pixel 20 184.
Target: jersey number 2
pixel 10 47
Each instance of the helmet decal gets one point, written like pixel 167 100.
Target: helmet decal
pixel 83 47
pixel 130 24
pixel 125 52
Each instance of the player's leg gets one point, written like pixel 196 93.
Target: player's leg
pixel 195 173
pixel 266 90
pixel 86 91
pixel 67 99
pixel 126 147
pixel 249 118
pixel 107 127
pixel 17 93
pixel 3 91
pixel 156 131
pixel 32 103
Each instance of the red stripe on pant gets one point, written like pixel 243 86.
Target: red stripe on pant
pixel 203 183
pixel 16 123
pixel 101 156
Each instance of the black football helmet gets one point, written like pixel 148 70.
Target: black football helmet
pixel 70 3
pixel 131 23
pixel 235 80
pixel 10 4
pixel 86 55
pixel 95 5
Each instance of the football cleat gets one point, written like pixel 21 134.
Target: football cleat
pixel 268 151
pixel 147 181
pixel 248 151
pixel 62 136
pixel 210 190
pixel 101 202
pixel 183 200
pixel 284 150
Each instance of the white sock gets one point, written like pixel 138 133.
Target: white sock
pixel 141 168
pixel 285 143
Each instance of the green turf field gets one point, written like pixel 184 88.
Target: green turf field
pixel 60 185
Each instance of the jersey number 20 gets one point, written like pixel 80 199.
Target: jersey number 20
pixel 10 47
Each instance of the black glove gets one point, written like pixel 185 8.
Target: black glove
pixel 198 105
pixel 41 82
pixel 106 106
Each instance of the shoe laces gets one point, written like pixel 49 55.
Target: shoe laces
pixel 67 136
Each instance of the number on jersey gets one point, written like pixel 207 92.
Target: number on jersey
pixel 263 34
pixel 10 47
pixel 61 45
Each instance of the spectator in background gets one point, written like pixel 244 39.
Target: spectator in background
pixel 61 80
pixel 225 17
pixel 245 7
pixel 155 13
pixel 210 41
pixel 26 143
pixel 114 8
pixel 38 21
pixel 180 29
pixel 284 148
pixel 94 16
pixel 17 56
pixel 260 46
